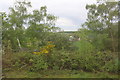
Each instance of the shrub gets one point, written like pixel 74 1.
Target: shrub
pixel 56 59
pixel 84 47
pixel 112 66
pixel 28 61
pixel 38 63
pixel 34 62
pixel 61 59
pixel 61 41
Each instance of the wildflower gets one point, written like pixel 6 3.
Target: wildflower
pixel 45 49
pixel 49 42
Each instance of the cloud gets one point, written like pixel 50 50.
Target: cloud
pixel 64 22
pixel 5 4
pixel 73 13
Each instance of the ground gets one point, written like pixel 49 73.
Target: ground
pixel 58 74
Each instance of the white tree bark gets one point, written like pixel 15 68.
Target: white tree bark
pixel 19 43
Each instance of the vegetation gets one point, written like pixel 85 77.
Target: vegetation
pixel 31 44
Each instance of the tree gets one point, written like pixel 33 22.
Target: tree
pixel 41 24
pixel 18 19
pixel 102 23
pixel 21 29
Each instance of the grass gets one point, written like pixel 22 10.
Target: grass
pixel 58 74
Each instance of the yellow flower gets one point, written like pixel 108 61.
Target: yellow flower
pixel 50 42
pixel 37 53
pixel 45 51
pixel 34 52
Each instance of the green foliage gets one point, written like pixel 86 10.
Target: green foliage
pixel 38 63
pixel 112 66
pixel 102 24
pixel 56 60
pixel 85 47
pixel 23 30
pixel 93 52
pixel 28 61
pixel 61 60
pixel 61 41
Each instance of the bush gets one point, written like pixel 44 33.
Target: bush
pixel 28 61
pixel 38 63
pixel 86 62
pixel 57 59
pixel 84 47
pixel 61 41
pixel 35 62
pixel 112 66
pixel 61 59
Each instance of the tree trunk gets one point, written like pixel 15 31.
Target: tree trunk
pixel 19 44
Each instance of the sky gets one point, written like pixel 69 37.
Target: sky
pixel 71 13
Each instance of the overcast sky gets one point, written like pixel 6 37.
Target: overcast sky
pixel 71 13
